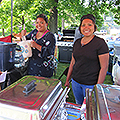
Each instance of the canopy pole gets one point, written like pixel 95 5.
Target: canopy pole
pixel 11 18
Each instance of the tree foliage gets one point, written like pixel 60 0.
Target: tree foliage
pixel 5 15
pixel 115 8
pixel 25 12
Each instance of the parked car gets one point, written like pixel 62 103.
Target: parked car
pixel 118 38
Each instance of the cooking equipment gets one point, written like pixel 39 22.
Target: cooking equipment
pixel 32 98
pixel 103 102
pixel 65 46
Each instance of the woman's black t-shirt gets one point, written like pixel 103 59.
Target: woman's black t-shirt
pixel 86 68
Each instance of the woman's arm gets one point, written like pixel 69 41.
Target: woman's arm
pixel 104 61
pixel 35 45
pixel 70 71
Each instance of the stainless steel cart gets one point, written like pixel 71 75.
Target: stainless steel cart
pixel 32 98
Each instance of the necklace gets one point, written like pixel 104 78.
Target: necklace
pixel 43 34
pixel 83 43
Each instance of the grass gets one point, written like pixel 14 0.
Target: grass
pixel 60 68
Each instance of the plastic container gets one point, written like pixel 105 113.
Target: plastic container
pixel 7 56
pixel 73 111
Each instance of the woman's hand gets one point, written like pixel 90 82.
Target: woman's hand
pixel 67 84
pixel 23 32
pixel 35 45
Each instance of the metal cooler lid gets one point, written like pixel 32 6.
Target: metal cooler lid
pixel 69 32
pixel 45 91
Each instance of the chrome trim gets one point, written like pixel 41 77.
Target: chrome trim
pixel 98 113
pixel 106 105
pixel 58 104
pixel 44 112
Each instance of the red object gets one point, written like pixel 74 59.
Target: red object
pixel 73 111
pixel 6 39
pixel 77 105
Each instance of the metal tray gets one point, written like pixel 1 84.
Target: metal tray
pixel 31 98
pixel 103 103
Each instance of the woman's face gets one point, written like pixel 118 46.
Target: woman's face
pixel 87 27
pixel 41 25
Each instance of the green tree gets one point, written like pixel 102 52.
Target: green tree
pixel 69 11
pixel 22 12
pixel 5 16
pixel 115 8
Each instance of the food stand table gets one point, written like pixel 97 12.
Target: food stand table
pixel 32 98
pixel 103 102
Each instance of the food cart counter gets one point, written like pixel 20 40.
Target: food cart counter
pixel 32 98
pixel 103 102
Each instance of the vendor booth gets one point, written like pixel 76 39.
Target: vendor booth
pixel 30 97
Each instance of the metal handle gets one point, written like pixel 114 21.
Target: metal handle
pixel 29 87
pixel 105 101
pixel 64 49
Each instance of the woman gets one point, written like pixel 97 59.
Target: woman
pixel 43 46
pixel 90 59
